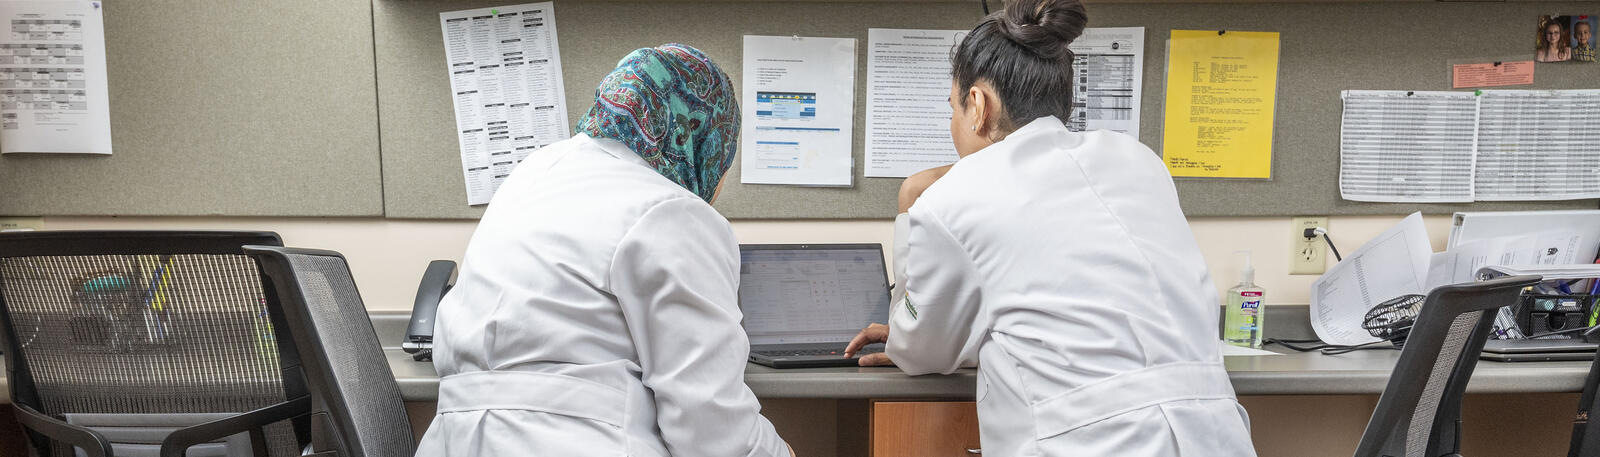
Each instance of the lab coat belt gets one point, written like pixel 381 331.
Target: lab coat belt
pixel 528 391
pixel 1130 391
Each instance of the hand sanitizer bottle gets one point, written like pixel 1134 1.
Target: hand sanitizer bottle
pixel 1242 320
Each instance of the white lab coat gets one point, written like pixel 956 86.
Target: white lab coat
pixel 595 314
pixel 1060 264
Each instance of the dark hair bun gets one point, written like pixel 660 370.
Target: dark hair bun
pixel 1043 27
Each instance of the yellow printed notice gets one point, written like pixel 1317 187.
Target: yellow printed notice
pixel 1221 88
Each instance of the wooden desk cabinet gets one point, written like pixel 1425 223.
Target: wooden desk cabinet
pixel 924 429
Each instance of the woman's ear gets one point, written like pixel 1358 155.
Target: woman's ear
pixel 978 101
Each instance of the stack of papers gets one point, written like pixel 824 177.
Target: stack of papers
pixel 1400 262
pixel 1554 248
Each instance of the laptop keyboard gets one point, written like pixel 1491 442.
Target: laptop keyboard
pixel 806 352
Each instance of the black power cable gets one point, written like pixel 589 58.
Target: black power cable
pixel 1314 232
pixel 1336 256
pixel 985 7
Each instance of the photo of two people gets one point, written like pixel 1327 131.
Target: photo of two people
pixel 1566 38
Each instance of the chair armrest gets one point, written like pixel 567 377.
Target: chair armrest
pixel 93 443
pixel 179 442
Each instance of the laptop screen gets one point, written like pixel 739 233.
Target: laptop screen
pixel 811 293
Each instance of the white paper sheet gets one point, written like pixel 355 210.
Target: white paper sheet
pixel 1461 263
pixel 53 96
pixel 908 108
pixel 799 104
pixel 505 79
pixel 1551 248
pixel 1409 147
pixel 1394 263
pixel 1109 66
pixel 1538 145
pixel 1229 350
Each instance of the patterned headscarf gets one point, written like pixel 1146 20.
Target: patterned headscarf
pixel 674 108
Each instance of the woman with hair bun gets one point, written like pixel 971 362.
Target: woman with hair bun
pixel 1060 264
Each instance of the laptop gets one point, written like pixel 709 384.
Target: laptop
pixel 803 303
pixel 1538 350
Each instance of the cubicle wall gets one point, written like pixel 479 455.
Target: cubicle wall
pixel 275 112
pixel 236 108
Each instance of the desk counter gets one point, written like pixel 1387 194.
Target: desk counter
pixel 1361 372
pixel 1364 372
pixel 1289 373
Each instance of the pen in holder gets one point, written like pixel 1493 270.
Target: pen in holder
pixel 109 316
pixel 1554 316
pixel 122 311
pixel 266 338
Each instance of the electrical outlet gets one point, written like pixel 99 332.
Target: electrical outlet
pixel 8 223
pixel 1307 256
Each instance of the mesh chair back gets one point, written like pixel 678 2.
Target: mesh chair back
pixel 150 323
pixel 1419 413
pixel 344 361
pixel 1586 431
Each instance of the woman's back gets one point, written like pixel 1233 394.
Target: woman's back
pixel 1093 242
pixel 533 287
pixel 1093 318
pixel 590 287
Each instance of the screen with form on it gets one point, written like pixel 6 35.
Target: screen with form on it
pixel 792 296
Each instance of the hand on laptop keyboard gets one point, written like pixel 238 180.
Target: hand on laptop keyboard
pixel 875 333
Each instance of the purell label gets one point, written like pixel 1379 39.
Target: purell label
pixel 1252 300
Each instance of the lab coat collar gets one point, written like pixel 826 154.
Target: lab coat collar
pixel 617 149
pixel 1040 124
pixel 1035 127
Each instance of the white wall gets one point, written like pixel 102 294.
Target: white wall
pixel 388 256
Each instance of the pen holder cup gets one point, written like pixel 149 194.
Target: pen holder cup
pixel 117 312
pixel 1554 316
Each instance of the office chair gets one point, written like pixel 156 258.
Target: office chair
pixel 133 342
pixel 1585 432
pixel 350 377
pixel 1419 413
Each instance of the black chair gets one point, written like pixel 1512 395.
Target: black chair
pixel 355 390
pixel 1419 413
pixel 131 342
pixel 1586 432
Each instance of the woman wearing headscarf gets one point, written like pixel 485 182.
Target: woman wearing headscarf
pixel 596 309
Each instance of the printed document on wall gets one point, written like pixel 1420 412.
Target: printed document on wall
pixel 1407 146
pixel 798 105
pixel 1393 264
pixel 1221 92
pixel 908 106
pixel 53 96
pixel 505 79
pixel 1108 64
pixel 1538 145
